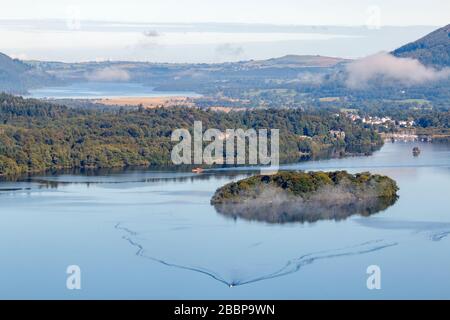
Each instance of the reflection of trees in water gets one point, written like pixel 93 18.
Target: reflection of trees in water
pixel 293 211
pixel 45 181
pixel 212 171
pixel 333 153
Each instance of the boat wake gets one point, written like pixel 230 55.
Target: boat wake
pixel 291 266
pixel 435 231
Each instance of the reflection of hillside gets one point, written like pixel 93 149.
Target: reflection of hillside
pixel 124 177
pixel 292 211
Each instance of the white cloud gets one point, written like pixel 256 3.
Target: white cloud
pixel 310 78
pixel 228 49
pixel 151 33
pixel 386 67
pixel 109 74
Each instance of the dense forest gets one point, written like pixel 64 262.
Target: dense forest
pixel 36 135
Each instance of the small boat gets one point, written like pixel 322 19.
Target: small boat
pixel 197 170
pixel 416 151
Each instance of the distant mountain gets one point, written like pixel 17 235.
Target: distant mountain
pixel 189 76
pixel 298 61
pixel 17 76
pixel 432 50
pixel 12 66
pixel 11 71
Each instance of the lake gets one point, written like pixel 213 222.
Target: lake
pixel 143 234
pixel 98 90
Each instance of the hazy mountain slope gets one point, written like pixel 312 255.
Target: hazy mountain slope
pixel 10 73
pixel 12 66
pixel 17 76
pixel 433 49
pixel 299 61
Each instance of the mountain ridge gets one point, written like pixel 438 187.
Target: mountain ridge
pixel 432 50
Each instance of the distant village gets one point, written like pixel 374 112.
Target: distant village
pixel 403 130
pixel 386 121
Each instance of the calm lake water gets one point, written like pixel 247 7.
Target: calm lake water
pixel 143 234
pixel 97 90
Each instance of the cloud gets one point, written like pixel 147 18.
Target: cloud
pixel 151 34
pixel 227 49
pixel 109 74
pixel 149 41
pixel 388 68
pixel 310 78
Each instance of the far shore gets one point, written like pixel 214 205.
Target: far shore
pixel 157 102
pixel 147 102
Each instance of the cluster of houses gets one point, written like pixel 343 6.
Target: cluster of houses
pixel 338 134
pixel 381 121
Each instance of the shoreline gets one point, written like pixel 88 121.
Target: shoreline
pixel 181 168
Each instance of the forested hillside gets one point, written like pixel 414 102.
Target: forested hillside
pixel 37 136
pixel 433 49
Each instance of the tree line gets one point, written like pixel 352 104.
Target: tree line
pixel 36 135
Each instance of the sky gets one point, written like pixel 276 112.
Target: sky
pixel 310 12
pixel 211 30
